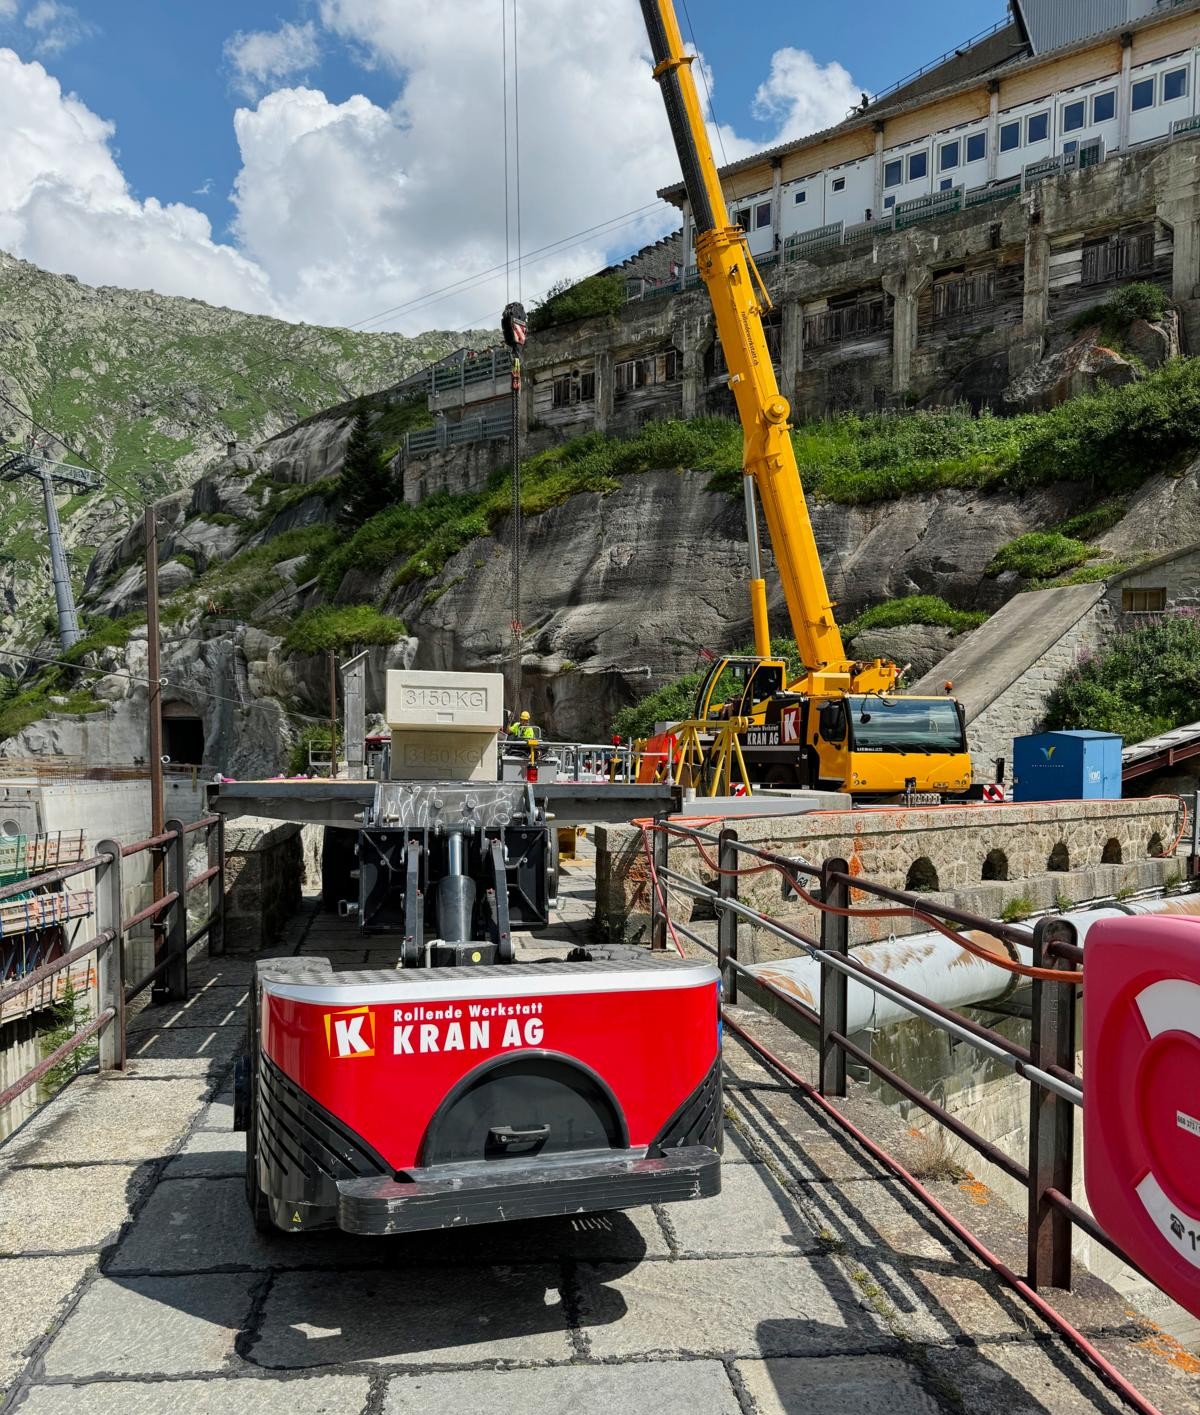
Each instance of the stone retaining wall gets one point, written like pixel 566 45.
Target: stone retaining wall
pixel 264 868
pixel 1109 847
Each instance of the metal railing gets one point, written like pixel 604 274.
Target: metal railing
pixel 585 762
pixel 1047 1064
pixel 168 917
pixel 492 427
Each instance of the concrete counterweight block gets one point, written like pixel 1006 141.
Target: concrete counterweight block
pixel 445 726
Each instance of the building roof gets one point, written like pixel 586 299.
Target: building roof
pixel 895 104
pixel 991 659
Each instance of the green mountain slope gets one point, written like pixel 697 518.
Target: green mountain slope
pixel 149 389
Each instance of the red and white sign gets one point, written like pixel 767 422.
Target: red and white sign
pixel 789 726
pixel 1141 1113
pixel 993 791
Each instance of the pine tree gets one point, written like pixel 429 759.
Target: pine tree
pixel 367 485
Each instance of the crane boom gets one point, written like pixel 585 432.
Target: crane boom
pixel 739 300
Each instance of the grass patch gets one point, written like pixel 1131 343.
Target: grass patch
pixel 1146 682
pixel 1039 555
pixel 915 609
pixel 340 627
pixel 1019 908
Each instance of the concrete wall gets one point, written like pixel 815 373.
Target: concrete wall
pixel 884 844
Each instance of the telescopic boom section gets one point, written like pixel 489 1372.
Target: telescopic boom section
pixel 738 301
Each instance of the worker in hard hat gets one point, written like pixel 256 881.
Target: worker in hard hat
pixel 523 729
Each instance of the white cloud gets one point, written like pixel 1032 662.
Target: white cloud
pixel 803 96
pixel 65 205
pixel 56 26
pixel 262 57
pixel 8 9
pixel 345 209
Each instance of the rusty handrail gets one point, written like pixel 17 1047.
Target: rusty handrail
pixel 56 876
pixel 35 1073
pixel 56 965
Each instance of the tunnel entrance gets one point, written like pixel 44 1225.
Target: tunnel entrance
pixel 183 735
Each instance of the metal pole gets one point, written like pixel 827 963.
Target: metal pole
pixel 758 586
pixel 216 887
pixel 727 920
pixel 659 843
pixel 1051 1119
pixel 173 982
pixel 333 750
pixel 1194 862
pixel 110 961
pixel 835 938
pixel 155 729
pixel 69 632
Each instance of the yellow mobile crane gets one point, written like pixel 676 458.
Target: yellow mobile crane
pixel 841 724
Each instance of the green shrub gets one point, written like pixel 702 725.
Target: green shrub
pixel 315 735
pixel 1146 682
pixel 598 294
pixel 1087 525
pixel 1141 300
pixel 339 627
pixel 1117 438
pixel 914 609
pixel 1039 555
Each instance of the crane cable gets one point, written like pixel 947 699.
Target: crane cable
pixel 514 326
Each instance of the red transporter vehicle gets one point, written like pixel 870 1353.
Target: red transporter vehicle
pixel 464 1087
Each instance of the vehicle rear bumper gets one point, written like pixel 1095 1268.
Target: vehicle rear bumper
pixel 455 1196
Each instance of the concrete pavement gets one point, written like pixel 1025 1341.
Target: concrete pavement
pixel 132 1280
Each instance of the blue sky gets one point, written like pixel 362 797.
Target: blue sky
pixel 162 73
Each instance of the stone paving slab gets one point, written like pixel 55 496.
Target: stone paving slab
pixel 108 1117
pixel 417 1316
pixel 322 1395
pixel 213 1006
pixel 1025 1378
pixel 664 1387
pixel 209 1152
pixel 837 1385
pixel 788 1128
pixel 194 1225
pixel 752 1214
pixel 34 1292
pixel 152 1326
pixel 726 1307
pixel 57 1210
pixel 207 1054
pixel 218 1114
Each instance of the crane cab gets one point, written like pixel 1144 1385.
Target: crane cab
pixel 870 744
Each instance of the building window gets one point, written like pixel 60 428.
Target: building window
pixel 571 388
pixel 918 166
pixel 742 218
pixel 1141 95
pixel 1010 136
pixel 976 147
pixel 1074 116
pixel 645 373
pixel 889 202
pixel 893 173
pixel 1143 601
pixel 839 184
pixel 1104 106
pixel 762 215
pixel 1175 85
pixel 800 198
pixel 1037 127
pixel 946 184
pixel 948 156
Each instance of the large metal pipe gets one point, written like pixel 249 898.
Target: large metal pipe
pixel 455 894
pixel 929 964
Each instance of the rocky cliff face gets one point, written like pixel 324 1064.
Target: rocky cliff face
pixel 150 389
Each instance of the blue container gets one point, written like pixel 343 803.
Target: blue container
pixel 1067 766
